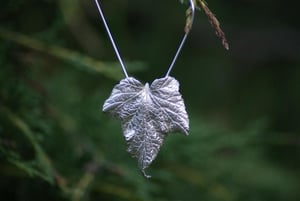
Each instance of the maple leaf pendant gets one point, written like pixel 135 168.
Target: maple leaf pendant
pixel 147 114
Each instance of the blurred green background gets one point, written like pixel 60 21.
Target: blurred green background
pixel 57 67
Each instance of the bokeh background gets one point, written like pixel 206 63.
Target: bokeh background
pixel 57 67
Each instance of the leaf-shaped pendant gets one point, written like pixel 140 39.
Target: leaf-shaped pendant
pixel 148 114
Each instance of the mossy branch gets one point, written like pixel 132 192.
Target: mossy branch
pixel 110 70
pixel 45 170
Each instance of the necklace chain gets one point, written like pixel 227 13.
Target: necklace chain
pixel 192 7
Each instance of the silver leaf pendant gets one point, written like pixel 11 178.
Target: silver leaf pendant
pixel 147 114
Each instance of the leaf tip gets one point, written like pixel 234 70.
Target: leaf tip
pixel 146 175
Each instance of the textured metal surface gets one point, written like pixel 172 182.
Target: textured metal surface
pixel 147 114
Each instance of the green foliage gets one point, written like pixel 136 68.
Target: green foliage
pixel 56 144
